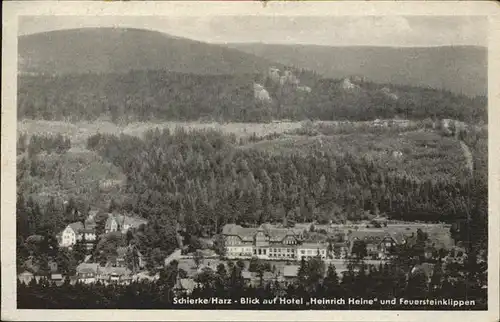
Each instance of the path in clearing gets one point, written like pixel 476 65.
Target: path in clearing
pixel 468 157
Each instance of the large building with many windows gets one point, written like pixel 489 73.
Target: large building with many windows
pixel 278 243
pixel 269 242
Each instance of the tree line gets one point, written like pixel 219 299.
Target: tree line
pixel 204 180
pixel 160 95
pixel 42 143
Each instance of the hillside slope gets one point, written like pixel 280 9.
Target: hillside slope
pixel 117 50
pixel 461 69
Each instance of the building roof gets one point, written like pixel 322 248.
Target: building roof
pixel 56 276
pixel 93 213
pixel 90 224
pixel 87 230
pixel 290 270
pixel 303 226
pixel 231 229
pixel 187 284
pixel 86 268
pixel 246 275
pixel 143 276
pixel 26 273
pixel 399 237
pixel 131 221
pixel 312 245
pixel 208 252
pixel 274 233
pixel 76 226
pixel 376 236
pixel 121 271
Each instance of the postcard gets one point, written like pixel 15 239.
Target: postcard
pixel 246 161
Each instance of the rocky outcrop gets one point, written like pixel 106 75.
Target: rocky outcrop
pixel 387 92
pixel 348 85
pixel 260 93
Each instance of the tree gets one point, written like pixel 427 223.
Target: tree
pixel 100 221
pixel 240 264
pixel 417 285
pixel 315 272
pixel 260 267
pixel 206 278
pixel 106 249
pixel 156 259
pixel 79 251
pixel 330 250
pixel 66 263
pixel 220 246
pixel 168 278
pixel 132 258
pixel 359 249
pixel 331 280
pixel 198 258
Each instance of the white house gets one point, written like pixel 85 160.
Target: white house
pixel 111 224
pixel 87 272
pixel 71 234
pixel 309 250
pixel 129 222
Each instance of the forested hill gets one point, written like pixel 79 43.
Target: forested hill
pixel 162 95
pixel 461 69
pixel 109 50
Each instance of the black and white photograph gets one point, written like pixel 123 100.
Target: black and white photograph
pixel 291 162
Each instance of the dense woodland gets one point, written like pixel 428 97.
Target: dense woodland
pixel 203 180
pixel 453 281
pixel 48 144
pixel 161 95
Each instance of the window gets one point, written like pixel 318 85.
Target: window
pixel 264 251
pixel 302 251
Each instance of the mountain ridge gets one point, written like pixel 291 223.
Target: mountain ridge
pixel 461 69
pixel 108 50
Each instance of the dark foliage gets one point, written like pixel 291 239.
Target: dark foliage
pixel 384 282
pixel 160 95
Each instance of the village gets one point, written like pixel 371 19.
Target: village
pixel 269 252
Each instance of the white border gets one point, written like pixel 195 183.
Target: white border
pixel 11 11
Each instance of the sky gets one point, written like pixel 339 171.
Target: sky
pixel 396 31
